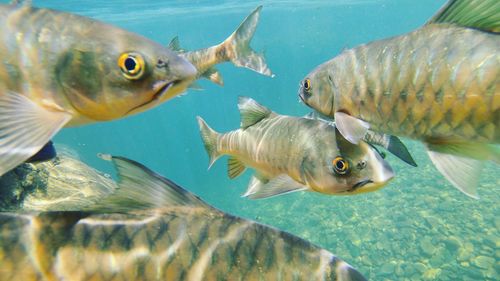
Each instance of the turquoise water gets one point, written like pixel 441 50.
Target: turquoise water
pixel 417 228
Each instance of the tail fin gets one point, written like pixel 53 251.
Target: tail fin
pixel 237 46
pixel 209 138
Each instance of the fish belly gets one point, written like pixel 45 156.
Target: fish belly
pixel 439 81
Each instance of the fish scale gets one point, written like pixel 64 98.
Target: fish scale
pixel 439 84
pixel 417 107
pixel 75 257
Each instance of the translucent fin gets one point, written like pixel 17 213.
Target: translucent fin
pixel 462 172
pixel 260 188
pixel 209 138
pixel 234 167
pixel 478 151
pixel 175 45
pixel 352 128
pixel 140 188
pixel 483 15
pixel 47 153
pixel 251 112
pixel 25 127
pixel 213 75
pixel 240 53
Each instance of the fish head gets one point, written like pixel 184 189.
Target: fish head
pixel 124 74
pixel 344 168
pixel 316 90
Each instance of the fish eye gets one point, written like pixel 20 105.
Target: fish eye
pixel 307 84
pixel 131 65
pixel 340 165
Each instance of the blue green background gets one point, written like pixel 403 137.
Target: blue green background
pixel 417 228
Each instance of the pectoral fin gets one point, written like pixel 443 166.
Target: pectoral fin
pixel 260 187
pixel 25 127
pixel 234 167
pixel 352 128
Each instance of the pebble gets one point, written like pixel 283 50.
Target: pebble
pixel 484 262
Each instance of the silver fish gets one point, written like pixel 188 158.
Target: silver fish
pixel 152 229
pixel 236 49
pixel 294 153
pixel 439 84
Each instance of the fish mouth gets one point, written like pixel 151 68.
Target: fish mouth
pixel 157 95
pixel 360 184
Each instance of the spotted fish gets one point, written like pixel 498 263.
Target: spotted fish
pixel 59 69
pixel 439 84
pixel 294 153
pixel 152 229
pixel 236 49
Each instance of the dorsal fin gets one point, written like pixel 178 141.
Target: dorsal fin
pixel 483 15
pixel 175 45
pixel 251 112
pixel 140 188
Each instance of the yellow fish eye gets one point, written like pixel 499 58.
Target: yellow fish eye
pixel 340 165
pixel 307 84
pixel 131 65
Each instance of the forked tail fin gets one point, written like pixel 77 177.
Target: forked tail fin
pixel 209 137
pixel 237 46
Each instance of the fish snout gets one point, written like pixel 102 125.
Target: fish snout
pixel 382 173
pixel 183 69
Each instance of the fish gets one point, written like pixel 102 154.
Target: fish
pixel 294 154
pixel 60 70
pixel 152 229
pixel 236 49
pixel 438 84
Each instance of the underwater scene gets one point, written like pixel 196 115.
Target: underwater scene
pixel 414 225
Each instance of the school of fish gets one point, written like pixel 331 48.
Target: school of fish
pixel 56 71
pixel 152 229
pixel 426 85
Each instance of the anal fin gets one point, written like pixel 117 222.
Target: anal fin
pixel 234 167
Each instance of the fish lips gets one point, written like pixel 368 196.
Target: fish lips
pixel 162 90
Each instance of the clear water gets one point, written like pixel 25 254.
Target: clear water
pixel 417 228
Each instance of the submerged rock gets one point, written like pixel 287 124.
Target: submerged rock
pixel 483 262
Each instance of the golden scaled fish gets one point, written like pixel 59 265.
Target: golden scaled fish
pixel 152 229
pixel 293 153
pixel 236 49
pixel 59 69
pixel 439 84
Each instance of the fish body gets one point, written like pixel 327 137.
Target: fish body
pixel 294 153
pixel 59 69
pixel 439 84
pixel 152 229
pixel 236 49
